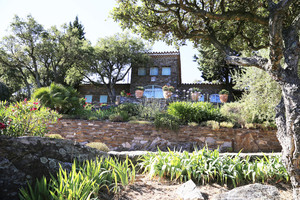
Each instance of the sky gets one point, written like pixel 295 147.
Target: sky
pixel 94 16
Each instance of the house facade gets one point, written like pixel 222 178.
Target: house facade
pixel 164 68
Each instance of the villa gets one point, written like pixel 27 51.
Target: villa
pixel 165 69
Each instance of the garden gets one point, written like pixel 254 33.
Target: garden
pixel 107 178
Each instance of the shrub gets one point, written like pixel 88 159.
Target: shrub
pixel 194 112
pixel 150 108
pixel 168 88
pixel 98 145
pixel 233 112
pixel 166 121
pixel 65 100
pixel 223 91
pixel 227 124
pixel 131 109
pixel 213 124
pixel 121 116
pixel 27 118
pixel 55 136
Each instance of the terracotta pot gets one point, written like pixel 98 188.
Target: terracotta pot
pixel 167 94
pixel 195 96
pixel 139 94
pixel 223 98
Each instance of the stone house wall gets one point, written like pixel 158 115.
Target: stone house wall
pixel 159 60
pixel 127 136
pixel 90 89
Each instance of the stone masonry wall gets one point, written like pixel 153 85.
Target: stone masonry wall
pixel 127 136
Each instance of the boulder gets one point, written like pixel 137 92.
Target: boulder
pixel 189 191
pixel 25 159
pixel 253 191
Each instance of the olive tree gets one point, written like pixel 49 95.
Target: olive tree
pixel 233 26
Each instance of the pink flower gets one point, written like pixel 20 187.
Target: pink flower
pixel 25 100
pixel 33 109
pixel 59 119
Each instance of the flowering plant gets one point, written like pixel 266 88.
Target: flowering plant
pixel 25 118
pixel 124 94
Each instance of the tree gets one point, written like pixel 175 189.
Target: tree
pixel 113 58
pixel 233 27
pixel 39 57
pixel 77 28
pixel 214 67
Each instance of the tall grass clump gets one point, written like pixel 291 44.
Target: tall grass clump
pixel 83 181
pixel 205 166
pixel 194 112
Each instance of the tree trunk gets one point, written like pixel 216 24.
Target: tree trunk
pixel 288 134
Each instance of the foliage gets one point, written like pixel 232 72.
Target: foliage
pixel 233 112
pixel 205 166
pixel 223 91
pixel 131 108
pixel 195 89
pixel 84 181
pixel 213 65
pixel 168 88
pixel 139 88
pixel 125 94
pixel 98 145
pixel 227 124
pixel 194 112
pixel 27 118
pixel 4 92
pixel 104 114
pixel 77 29
pixel 150 108
pixel 121 116
pixel 35 56
pixel 63 99
pixel 261 96
pixel 55 136
pixel 166 121
pixel 213 124
pixel 113 57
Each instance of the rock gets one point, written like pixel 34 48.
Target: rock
pixel 253 191
pixel 189 191
pixel 24 159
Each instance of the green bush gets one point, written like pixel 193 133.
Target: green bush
pixel 166 121
pixel 63 99
pixel 194 112
pixel 55 136
pixel 131 109
pixel 150 108
pixel 205 166
pixel 84 181
pixel 233 112
pixel 27 118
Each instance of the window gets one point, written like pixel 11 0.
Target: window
pixel 214 98
pixel 153 91
pixel 103 98
pixel 153 71
pixel 141 71
pixel 166 71
pixel 88 98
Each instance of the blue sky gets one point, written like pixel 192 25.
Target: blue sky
pixel 93 14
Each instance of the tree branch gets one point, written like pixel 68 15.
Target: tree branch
pixel 255 61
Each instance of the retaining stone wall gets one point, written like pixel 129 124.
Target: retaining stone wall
pixel 127 136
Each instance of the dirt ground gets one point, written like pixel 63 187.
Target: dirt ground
pixel 146 189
